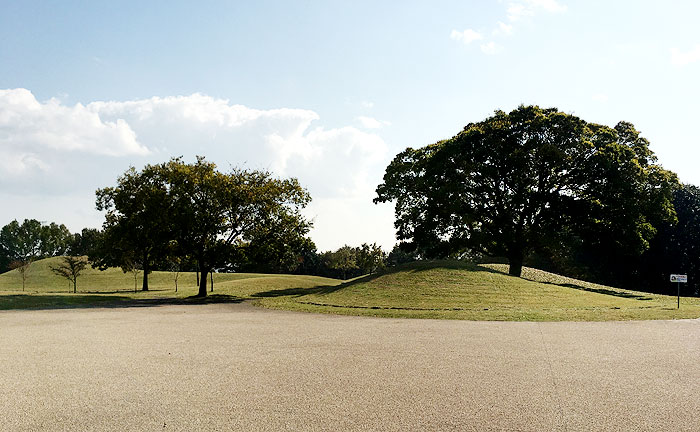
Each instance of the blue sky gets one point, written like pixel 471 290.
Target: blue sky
pixel 325 91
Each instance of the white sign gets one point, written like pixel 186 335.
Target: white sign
pixel 679 278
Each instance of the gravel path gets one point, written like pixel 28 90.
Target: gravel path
pixel 234 367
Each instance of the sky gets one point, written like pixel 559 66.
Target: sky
pixel 324 91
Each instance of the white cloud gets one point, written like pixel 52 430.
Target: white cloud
pixel 372 123
pixel 682 58
pixel 548 5
pixel 50 149
pixel 367 104
pixel 351 221
pixel 515 11
pixel 491 48
pixel 29 127
pixel 503 29
pixel 600 97
pixel 467 36
pixel 527 8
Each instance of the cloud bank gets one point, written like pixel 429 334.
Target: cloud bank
pixel 51 149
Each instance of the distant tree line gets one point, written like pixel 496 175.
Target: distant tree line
pixel 348 262
pixel 23 243
pixel 31 240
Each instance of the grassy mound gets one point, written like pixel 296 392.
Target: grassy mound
pixel 455 290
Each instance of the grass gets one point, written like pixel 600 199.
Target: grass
pixel 443 289
pixel 454 290
pixel 115 288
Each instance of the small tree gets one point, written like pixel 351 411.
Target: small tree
pixel 175 269
pixel 22 267
pixel 130 265
pixel 70 268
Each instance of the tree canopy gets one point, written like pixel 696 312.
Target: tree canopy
pixel 675 248
pixel 214 213
pixel 137 226
pixel 195 211
pixel 521 181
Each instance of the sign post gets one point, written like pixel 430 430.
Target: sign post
pixel 679 279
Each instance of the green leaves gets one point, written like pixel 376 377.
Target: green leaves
pixel 194 210
pixel 516 182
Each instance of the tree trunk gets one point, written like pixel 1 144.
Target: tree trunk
pixel 75 285
pixel 211 277
pixel 197 277
pixel 515 265
pixel 203 282
pixel 145 274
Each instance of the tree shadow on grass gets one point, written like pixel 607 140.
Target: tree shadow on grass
pixel 124 291
pixel 413 267
pixel 420 266
pixel 79 301
pixel 323 289
pixel 604 291
pixel 298 292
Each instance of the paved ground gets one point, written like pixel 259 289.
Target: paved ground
pixel 235 367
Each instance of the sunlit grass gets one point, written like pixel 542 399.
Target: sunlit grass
pixel 43 289
pixel 442 289
pixel 454 290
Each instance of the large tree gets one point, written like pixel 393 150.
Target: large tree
pixel 517 181
pixel 214 213
pixel 137 227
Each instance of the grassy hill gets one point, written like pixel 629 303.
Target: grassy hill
pixel 455 290
pixel 442 289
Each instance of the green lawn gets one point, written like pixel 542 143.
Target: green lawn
pixel 113 287
pixel 453 290
pixel 443 289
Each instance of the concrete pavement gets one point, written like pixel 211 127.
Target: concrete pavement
pixel 221 367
